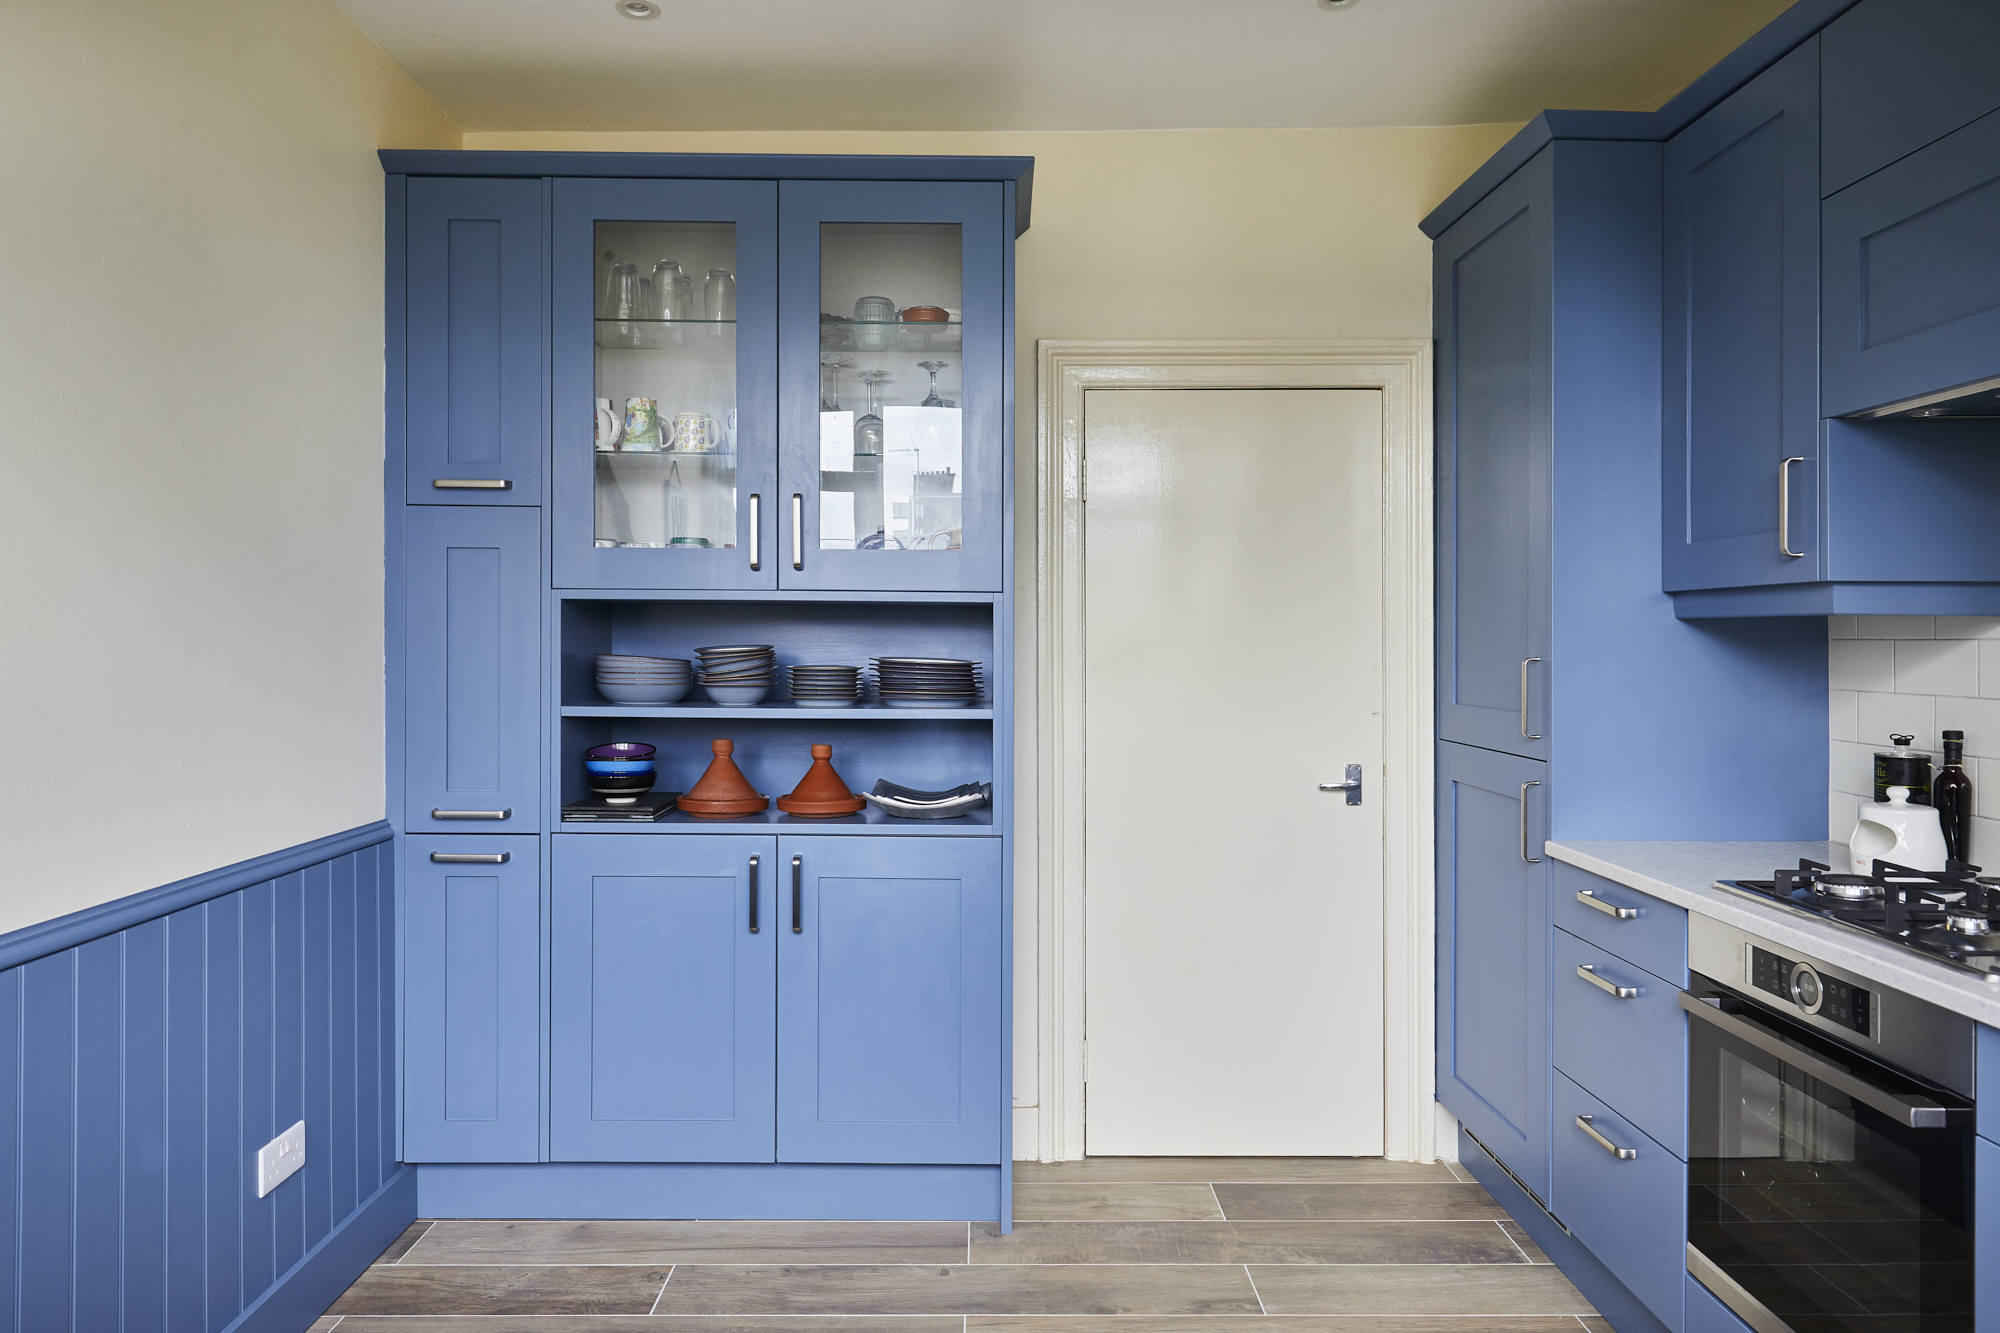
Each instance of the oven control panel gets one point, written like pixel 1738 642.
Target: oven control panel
pixel 1830 998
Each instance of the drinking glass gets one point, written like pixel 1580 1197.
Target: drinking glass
pixel 934 367
pixel 622 292
pixel 667 280
pixel 721 294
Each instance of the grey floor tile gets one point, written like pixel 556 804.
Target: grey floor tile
pixel 401 1245
pixel 1597 1324
pixel 1377 1242
pixel 1068 1201
pixel 658 1324
pixel 1356 1202
pixel 324 1324
pixel 1526 1242
pixel 976 1289
pixel 1395 1289
pixel 424 1289
pixel 1283 1324
pixel 1206 1170
pixel 664 1243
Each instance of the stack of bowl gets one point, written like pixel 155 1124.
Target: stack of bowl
pixel 926 682
pixel 620 772
pixel 826 686
pixel 625 679
pixel 738 674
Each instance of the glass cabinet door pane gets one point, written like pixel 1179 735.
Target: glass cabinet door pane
pixel 665 435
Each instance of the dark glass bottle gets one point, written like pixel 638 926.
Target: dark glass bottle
pixel 1951 793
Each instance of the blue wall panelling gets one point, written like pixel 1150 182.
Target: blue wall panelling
pixel 1899 74
pixel 476 311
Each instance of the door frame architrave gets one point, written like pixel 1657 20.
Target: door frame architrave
pixel 1400 368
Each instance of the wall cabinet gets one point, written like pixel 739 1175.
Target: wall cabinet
pixel 1899 74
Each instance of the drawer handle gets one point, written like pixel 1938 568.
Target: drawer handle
pixel 1524 699
pixel 471 484
pixel 1785 509
pixel 1531 860
pixel 1589 973
pixel 1589 899
pixel 471 858
pixel 508 813
pixel 753 894
pixel 1622 1154
pixel 798 894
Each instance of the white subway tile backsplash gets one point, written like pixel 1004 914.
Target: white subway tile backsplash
pixel 1840 815
pixel 1843 715
pixel 1861 664
pixel 1979 719
pixel 1985 841
pixel 1851 768
pixel 1983 772
pixel 1898 627
pixel 1883 715
pixel 1989 670
pixel 1842 627
pixel 1964 627
pixel 1937 666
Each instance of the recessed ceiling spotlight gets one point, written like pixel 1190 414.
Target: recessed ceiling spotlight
pixel 646 9
pixel 1336 4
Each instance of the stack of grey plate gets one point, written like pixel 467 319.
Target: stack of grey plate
pixel 926 682
pixel 826 686
pixel 625 678
pixel 738 674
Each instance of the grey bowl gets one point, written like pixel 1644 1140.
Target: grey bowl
pixel 642 694
pixel 737 696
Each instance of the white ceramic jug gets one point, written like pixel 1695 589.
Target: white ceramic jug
pixel 1894 830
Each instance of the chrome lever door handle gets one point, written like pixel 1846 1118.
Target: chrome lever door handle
pixel 1352 786
pixel 1622 1154
pixel 798 531
pixel 1589 899
pixel 1785 509
pixel 1531 860
pixel 1588 972
pixel 1525 734
pixel 756 531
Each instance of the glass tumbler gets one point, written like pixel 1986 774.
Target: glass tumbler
pixel 623 296
pixel 667 280
pixel 873 316
pixel 721 294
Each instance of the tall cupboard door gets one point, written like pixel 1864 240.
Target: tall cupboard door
pixel 1740 456
pixel 475 410
pixel 1492 293
pixel 663 989
pixel 1493 1053
pixel 893 385
pixel 666 375
pixel 889 1000
pixel 472 999
pixel 472 669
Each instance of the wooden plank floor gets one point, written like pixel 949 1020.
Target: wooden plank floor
pixel 1109 1245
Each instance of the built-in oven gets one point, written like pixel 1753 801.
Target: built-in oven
pixel 1830 1143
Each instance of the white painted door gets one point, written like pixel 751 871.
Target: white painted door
pixel 1233 650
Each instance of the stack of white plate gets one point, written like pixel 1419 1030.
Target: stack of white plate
pixel 627 679
pixel 926 682
pixel 738 674
pixel 826 686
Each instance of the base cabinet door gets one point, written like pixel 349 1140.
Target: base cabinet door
pixel 662 994
pixel 472 999
pixel 1493 954
pixel 1623 1196
pixel 889 992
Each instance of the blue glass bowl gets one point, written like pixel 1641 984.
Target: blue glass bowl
pixel 618 765
pixel 620 750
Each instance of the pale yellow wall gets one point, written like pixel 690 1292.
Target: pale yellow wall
pixel 191 428
pixel 1167 234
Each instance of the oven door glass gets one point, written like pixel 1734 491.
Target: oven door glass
pixel 1819 1209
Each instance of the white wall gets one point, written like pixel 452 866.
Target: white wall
pixel 191 418
pixel 1916 676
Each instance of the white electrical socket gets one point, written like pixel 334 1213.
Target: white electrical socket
pixel 278 1159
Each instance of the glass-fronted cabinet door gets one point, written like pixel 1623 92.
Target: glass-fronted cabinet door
pixel 665 311
pixel 893 338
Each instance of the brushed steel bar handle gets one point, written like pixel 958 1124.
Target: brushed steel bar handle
pixel 1622 1154
pixel 798 531
pixel 756 529
pixel 753 894
pixel 1588 972
pixel 471 858
pixel 470 484
pixel 798 896
pixel 1589 899
pixel 1352 786
pixel 508 813
pixel 1785 509
pixel 1531 860
pixel 1525 734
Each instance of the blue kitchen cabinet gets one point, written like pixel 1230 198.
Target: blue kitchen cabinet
pixel 471 637
pixel 472 999
pixel 1493 954
pixel 1740 406
pixel 1493 442
pixel 1899 74
pixel 663 987
pixel 889 999
pixel 473 421
pixel 1624 1196
pixel 1620 1034
pixel 1986 1230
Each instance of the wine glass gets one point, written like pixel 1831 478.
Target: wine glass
pixel 934 367
pixel 833 363
pixel 868 430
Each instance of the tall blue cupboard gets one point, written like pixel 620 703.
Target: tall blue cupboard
pixel 645 404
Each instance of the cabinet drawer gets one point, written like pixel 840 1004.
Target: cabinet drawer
pixel 1629 1050
pixel 1629 1211
pixel 1594 908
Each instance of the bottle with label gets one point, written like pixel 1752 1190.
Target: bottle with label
pixel 1903 767
pixel 1951 793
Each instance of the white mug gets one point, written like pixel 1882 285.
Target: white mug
pixel 695 433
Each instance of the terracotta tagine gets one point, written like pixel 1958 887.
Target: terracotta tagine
pixel 723 792
pixel 820 793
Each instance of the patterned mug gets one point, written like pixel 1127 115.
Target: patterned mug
pixel 642 426
pixel 695 433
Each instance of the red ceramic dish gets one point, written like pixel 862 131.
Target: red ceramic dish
pixel 926 314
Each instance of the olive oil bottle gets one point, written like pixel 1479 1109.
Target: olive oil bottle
pixel 1951 793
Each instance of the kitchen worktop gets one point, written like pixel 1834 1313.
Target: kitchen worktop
pixel 1685 873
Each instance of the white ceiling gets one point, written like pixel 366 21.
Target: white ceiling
pixel 1046 64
